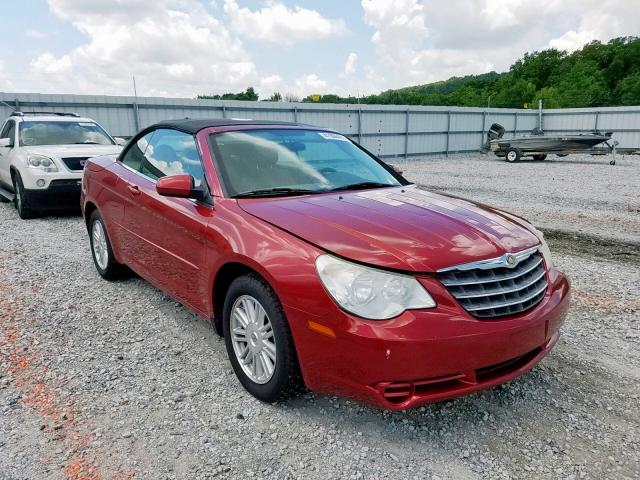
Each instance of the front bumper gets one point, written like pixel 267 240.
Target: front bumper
pixel 61 194
pixel 425 356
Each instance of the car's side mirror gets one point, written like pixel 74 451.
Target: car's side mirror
pixel 6 142
pixel 120 141
pixel 180 186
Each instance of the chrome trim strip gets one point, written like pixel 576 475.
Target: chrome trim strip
pixel 500 292
pixel 519 301
pixel 449 283
pixel 133 170
pixel 497 262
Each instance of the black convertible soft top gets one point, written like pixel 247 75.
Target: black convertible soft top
pixel 193 126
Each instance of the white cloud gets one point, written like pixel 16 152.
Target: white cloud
pixel 186 47
pixel 36 34
pixel 277 23
pixel 270 84
pixel 311 84
pixel 572 40
pixel 173 47
pixel 350 64
pixel 5 83
pixel 48 64
pixel 417 41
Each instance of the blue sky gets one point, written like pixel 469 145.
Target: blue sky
pixel 296 47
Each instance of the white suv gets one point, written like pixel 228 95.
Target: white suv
pixel 42 156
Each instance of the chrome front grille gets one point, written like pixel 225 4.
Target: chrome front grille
pixel 494 288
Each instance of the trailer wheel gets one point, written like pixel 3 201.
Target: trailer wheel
pixel 540 157
pixel 513 155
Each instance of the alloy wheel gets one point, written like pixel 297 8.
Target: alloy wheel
pixel 252 339
pixel 100 249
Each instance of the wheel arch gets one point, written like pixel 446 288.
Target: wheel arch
pixel 224 277
pixel 89 208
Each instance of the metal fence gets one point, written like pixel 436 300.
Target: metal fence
pixel 386 130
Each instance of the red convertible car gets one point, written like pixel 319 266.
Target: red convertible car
pixel 321 265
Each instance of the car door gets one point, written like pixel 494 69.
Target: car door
pixel 8 131
pixel 168 234
pixel 126 174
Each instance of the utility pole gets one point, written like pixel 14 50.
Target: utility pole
pixel 489 102
pixel 540 114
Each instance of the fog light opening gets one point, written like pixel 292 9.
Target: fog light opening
pixel 41 183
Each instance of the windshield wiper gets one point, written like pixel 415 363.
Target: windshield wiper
pixel 275 192
pixel 362 185
pixel 87 143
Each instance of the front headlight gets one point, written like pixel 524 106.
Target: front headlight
pixel 368 292
pixel 544 250
pixel 41 162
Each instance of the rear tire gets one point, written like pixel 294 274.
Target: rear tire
pixel 21 201
pixel 256 332
pixel 540 157
pixel 101 250
pixel 513 155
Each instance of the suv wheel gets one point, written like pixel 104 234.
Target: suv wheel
pixel 101 250
pixel 258 340
pixel 21 201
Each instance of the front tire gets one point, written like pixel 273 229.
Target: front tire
pixel 540 157
pixel 21 201
pixel 101 250
pixel 258 340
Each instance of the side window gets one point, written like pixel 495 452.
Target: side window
pixel 172 153
pixel 134 157
pixel 9 130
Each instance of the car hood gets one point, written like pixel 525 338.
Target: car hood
pixel 62 151
pixel 404 228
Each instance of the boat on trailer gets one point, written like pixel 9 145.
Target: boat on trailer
pixel 538 145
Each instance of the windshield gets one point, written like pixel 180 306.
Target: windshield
pixel 34 132
pixel 288 162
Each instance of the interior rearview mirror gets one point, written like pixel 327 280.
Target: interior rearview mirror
pixel 396 168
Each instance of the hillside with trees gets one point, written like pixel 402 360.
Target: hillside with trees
pixel 599 74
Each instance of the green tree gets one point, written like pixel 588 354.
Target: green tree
pixel 514 93
pixel 550 98
pixel 249 94
pixel 597 74
pixel 628 90
pixel 537 67
pixel 276 97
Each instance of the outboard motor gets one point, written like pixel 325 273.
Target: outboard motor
pixel 495 132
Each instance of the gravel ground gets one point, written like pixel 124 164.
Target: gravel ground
pixel 116 380
pixel 579 193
